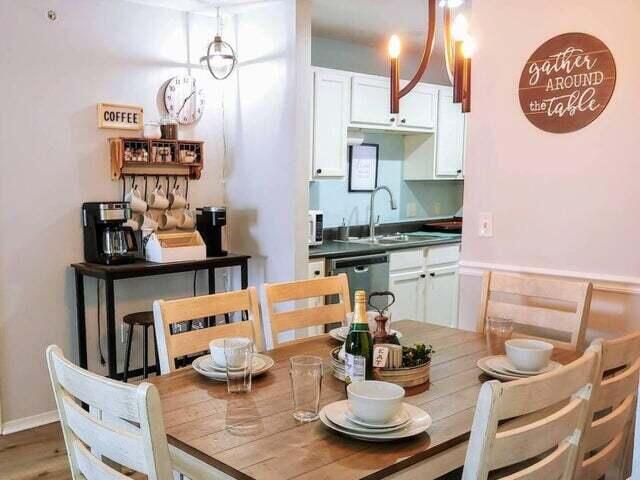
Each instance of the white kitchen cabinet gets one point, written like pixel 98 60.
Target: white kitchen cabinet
pixel 408 287
pixel 370 101
pixel 441 296
pixel 425 283
pixel 450 137
pixel 419 108
pixel 330 119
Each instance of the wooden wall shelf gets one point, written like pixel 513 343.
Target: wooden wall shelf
pixel 142 156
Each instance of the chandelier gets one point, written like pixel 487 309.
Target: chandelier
pixel 459 47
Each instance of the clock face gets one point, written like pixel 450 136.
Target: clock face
pixel 184 100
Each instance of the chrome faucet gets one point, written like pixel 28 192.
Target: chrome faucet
pixel 372 222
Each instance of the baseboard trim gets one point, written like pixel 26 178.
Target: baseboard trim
pixel 601 282
pixel 20 424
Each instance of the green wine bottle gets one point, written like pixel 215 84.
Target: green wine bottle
pixel 359 344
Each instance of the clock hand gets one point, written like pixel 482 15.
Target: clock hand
pixel 185 102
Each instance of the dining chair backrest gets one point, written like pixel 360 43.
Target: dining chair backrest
pixel 125 426
pixel 282 321
pixel 553 309
pixel 613 408
pixel 547 416
pixel 169 312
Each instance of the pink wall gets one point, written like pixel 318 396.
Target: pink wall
pixel 567 202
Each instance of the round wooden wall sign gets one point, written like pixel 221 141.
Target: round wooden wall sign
pixel 567 82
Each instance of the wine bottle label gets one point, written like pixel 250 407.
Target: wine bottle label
pixel 355 368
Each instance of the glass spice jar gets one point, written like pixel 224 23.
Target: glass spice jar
pixel 152 130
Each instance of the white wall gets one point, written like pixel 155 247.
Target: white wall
pixel 53 156
pixel 562 204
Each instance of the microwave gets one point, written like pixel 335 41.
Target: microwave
pixel 315 227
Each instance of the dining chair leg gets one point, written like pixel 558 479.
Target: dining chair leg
pixel 127 355
pixel 145 353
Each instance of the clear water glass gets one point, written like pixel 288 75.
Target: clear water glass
pixel 305 372
pixel 239 359
pixel 498 331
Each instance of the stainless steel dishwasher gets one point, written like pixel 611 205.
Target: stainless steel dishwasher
pixel 367 272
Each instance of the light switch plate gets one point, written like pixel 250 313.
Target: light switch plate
pixel 486 224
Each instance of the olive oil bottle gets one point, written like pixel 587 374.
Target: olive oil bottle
pixel 359 344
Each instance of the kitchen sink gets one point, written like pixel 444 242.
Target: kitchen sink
pixel 397 239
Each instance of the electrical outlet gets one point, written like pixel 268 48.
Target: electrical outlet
pixel 486 224
pixel 412 209
pixel 437 208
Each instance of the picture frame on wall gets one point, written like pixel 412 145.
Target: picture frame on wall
pixel 363 167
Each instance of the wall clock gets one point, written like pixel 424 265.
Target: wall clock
pixel 184 100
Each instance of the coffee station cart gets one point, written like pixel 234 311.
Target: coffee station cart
pixel 109 248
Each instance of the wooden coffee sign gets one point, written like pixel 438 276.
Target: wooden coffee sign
pixel 567 82
pixel 120 117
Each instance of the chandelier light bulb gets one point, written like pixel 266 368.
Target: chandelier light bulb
pixel 469 47
pixel 394 46
pixel 460 28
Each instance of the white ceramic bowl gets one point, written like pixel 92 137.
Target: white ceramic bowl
pixel 528 354
pixel 216 348
pixel 374 401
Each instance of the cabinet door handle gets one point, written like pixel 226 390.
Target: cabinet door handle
pixel 432 274
pixel 422 275
pixel 392 119
pixel 319 170
pixel 317 272
pixel 458 171
pixel 404 120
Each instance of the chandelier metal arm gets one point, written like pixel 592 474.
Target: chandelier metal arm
pixel 426 55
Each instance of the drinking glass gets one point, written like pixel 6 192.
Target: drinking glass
pixel 306 382
pixel 239 359
pixel 498 331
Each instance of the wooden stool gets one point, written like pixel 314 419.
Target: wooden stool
pixel 145 319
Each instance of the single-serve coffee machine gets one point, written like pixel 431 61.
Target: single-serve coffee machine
pixel 209 222
pixel 106 239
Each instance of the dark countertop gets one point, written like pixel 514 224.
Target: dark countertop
pixel 337 249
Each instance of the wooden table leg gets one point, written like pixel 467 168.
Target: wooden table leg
pixel 111 328
pixel 81 321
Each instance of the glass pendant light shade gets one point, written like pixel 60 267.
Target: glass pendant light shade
pixel 220 59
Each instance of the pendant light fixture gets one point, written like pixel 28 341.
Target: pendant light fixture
pixel 459 46
pixel 220 59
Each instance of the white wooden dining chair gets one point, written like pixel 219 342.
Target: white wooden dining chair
pixel 170 312
pixel 96 441
pixel 606 448
pixel 556 310
pixel 548 415
pixel 316 315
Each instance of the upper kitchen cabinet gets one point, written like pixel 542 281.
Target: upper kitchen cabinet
pixel 450 137
pixel 370 99
pixel 330 119
pixel 438 156
pixel 419 108
pixel 370 102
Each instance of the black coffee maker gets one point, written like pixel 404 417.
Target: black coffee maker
pixel 106 239
pixel 209 222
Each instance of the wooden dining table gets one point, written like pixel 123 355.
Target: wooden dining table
pixel 214 434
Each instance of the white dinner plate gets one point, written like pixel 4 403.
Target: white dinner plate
pixel 341 333
pixel 339 413
pixel 502 365
pixel 420 422
pixel 257 363
pixel 202 365
pixel 482 365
